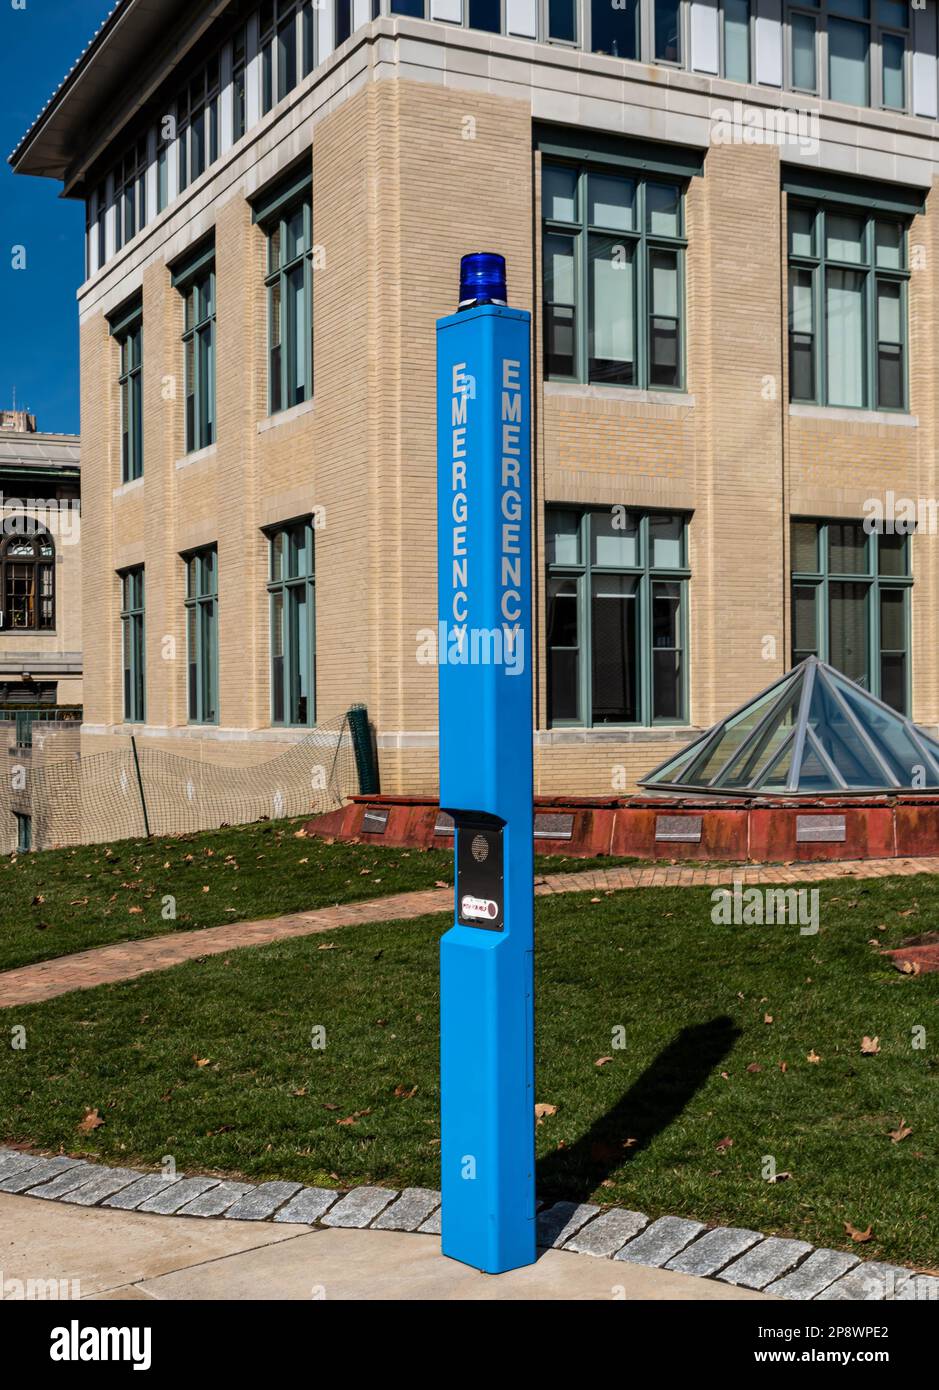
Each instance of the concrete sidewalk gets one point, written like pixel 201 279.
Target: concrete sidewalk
pixel 128 1255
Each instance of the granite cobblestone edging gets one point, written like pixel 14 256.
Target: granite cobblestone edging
pixel 790 1269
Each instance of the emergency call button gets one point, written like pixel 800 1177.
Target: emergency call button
pixel 479 883
pixel 479 909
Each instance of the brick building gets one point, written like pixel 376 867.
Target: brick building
pixel 722 216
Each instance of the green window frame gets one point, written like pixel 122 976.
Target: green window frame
pixel 853 51
pixel 133 648
pixel 292 590
pixel 617 617
pixel 202 635
pixel 280 55
pixel 199 357
pixel 848 307
pixel 24 832
pixel 613 249
pixel 289 283
pixel 851 595
pixel 129 337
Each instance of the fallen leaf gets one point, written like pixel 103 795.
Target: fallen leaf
pixel 38 899
pixel 440 883
pixel 870 1046
pixel 351 1119
pixel 403 1093
pixel 596 900
pixel 602 1061
pixel 92 1120
pixel 781 1177
pixel 135 910
pixel 542 1109
pixel 859 1237
pixel 300 1092
pixel 767 1018
pixel 754 1066
pixel 784 1066
pixel 901 1132
pixel 813 1056
pixel 201 1061
pixel 724 1145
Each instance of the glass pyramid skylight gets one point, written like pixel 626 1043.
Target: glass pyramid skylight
pixel 813 731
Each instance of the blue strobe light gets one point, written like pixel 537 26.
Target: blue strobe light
pixel 482 279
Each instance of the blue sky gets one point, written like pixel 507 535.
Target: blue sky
pixel 38 313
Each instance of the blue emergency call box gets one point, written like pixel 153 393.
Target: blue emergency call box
pixel 485 699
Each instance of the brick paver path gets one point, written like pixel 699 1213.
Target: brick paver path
pixel 109 964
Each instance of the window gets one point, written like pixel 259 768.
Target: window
pixel 617 598
pixel 202 635
pixel 735 18
pixel 414 8
pixel 129 336
pixel 102 224
pixel 132 644
pixel 27 563
pixel 343 20
pixel 24 832
pixel 613 253
pixel 239 88
pixel 667 47
pixel 163 187
pixel 866 43
pixel 199 356
pixel 562 20
pixel 130 194
pixel 293 625
pixel 278 42
pixel 309 37
pixel 485 15
pixel 847 307
pixel 850 604
pixel 289 284
pixel 615 29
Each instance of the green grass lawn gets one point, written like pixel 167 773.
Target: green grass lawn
pixel 66 900
pixel 212 1063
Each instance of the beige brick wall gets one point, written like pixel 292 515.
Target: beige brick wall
pixel 390 166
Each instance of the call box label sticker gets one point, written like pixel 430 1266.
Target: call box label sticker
pixel 478 909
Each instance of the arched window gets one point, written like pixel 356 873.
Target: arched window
pixel 27 582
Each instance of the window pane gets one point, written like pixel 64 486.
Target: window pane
pixel 664 366
pixel 663 203
pixel 277 657
pixel 801 231
pixel 612 310
pixel 848 634
pixel 892 554
pixel 894 56
pixel 562 20
pixel 857 9
pixel 894 13
pixel 560 356
pixel 844 310
pixel 847 548
pixel 666 542
pixel 893 680
pixel 892 620
pixel 414 8
pixel 889 346
pixel 666 653
pixel 296 336
pixel 559 193
pixel 668 31
pixel 848 74
pixel 614 539
pixel 563 643
pixel 563 538
pixel 804 76
pixel 844 238
pixel 888 237
pixel 485 14
pixel 343 20
pixel 737 40
pixel 804 622
pixel 611 202
pixel 613 647
pixel 802 335
pixel 614 29
pixel 804 557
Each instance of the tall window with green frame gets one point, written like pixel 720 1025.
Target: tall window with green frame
pixel 848 289
pixel 199 356
pixel 613 256
pixel 202 635
pixel 290 305
pixel 132 644
pixel 129 336
pixel 617 598
pixel 851 604
pixel 293 624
